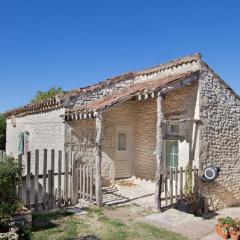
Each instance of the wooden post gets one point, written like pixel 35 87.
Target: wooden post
pixel 66 178
pixel 44 179
pixel 181 182
pixel 36 180
pixel 50 189
pixel 166 188
pixel 158 152
pixel 80 181
pixel 28 181
pixel 171 187
pixel 52 159
pixel 84 181
pixel 99 199
pixel 91 182
pixel 53 196
pixel 176 184
pixel 59 178
pixel 74 182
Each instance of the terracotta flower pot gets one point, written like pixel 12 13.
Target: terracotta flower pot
pixel 222 231
pixel 234 235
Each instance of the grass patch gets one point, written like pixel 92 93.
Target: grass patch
pixel 94 226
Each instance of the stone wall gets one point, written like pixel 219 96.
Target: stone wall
pixel 220 139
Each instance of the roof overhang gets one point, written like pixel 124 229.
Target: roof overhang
pixel 139 91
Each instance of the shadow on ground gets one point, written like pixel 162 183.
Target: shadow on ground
pixel 43 221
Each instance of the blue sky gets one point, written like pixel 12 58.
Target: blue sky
pixel 76 43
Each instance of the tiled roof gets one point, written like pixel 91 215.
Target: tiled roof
pixel 41 106
pixel 54 103
pixel 131 75
pixel 145 88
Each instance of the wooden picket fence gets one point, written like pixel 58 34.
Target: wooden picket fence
pixel 175 182
pixel 51 189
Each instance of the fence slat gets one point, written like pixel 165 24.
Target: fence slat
pixel 181 183
pixel 36 180
pixel 166 188
pixel 87 176
pixel 186 178
pixel 84 182
pixel 80 181
pixel 91 182
pixel 59 178
pixel 171 186
pixel 71 159
pixel 66 182
pixel 176 184
pixel 74 182
pixel 44 179
pixel 77 182
pixel 28 179
pixel 50 189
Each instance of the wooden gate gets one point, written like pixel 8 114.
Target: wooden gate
pixel 175 183
pixel 48 184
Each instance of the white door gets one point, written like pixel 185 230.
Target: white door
pixel 123 152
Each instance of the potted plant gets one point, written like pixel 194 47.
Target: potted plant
pixel 222 228
pixel 235 230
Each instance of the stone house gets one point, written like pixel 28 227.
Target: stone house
pixel 175 114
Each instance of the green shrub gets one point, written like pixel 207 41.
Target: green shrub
pixel 10 176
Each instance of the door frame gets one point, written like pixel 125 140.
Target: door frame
pixel 128 129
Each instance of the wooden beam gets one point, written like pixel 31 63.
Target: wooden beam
pixel 99 199
pixel 159 139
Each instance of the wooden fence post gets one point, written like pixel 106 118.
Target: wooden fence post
pixel 74 182
pixel 36 180
pixel 50 189
pixel 80 181
pixel 166 187
pixel 66 178
pixel 181 183
pixel 171 186
pixel 158 152
pixel 99 198
pixel 91 182
pixel 59 178
pixel 44 179
pixel 28 181
pixel 53 196
pixel 176 184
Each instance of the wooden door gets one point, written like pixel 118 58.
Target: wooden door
pixel 123 152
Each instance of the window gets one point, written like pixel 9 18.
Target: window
pixel 122 141
pixel 21 143
pixel 171 154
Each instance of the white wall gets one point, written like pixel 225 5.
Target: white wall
pixel 46 130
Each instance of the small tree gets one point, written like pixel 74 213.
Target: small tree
pixel 10 176
pixel 41 95
pixel 2 133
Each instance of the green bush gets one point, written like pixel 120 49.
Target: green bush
pixel 10 176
